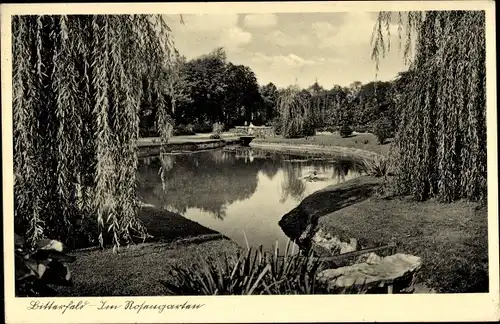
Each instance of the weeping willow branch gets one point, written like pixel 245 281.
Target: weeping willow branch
pixel 75 111
pixel 295 113
pixel 440 147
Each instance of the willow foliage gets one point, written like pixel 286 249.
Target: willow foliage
pixel 294 112
pixel 440 147
pixel 75 121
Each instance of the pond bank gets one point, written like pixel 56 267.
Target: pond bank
pixel 359 141
pixel 312 149
pixel 179 144
pixel 451 238
pixel 137 269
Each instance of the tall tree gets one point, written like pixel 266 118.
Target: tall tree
pixel 75 121
pixel 178 89
pixel 337 104
pixel 295 115
pixel 318 103
pixel 242 96
pixel 375 101
pixel 206 74
pixel 269 94
pixel 440 148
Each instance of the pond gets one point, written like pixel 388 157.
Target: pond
pixel 241 193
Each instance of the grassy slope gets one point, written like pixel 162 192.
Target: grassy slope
pixel 451 238
pixel 136 271
pixel 364 141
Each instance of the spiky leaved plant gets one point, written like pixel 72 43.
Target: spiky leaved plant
pixel 253 272
pixel 440 147
pixel 75 121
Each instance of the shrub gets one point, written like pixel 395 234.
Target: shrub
pixel 204 127
pixel 345 131
pixel 361 129
pixel 309 129
pixel 148 132
pixel 276 124
pixel 253 272
pixel 182 129
pixel 383 129
pixel 37 268
pixel 217 130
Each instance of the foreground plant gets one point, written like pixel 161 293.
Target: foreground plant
pixel 41 266
pixel 252 273
pixel 377 167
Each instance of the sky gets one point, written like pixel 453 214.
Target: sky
pixel 287 48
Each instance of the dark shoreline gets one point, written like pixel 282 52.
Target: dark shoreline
pixel 154 149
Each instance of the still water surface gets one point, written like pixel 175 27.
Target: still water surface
pixel 242 193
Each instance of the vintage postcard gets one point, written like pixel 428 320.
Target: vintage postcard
pixel 250 162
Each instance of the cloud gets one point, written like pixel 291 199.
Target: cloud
pixel 355 30
pixel 279 38
pixel 201 34
pixel 260 20
pixel 234 37
pixel 332 48
pixel 290 60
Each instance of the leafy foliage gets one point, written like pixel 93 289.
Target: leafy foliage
pixel 383 129
pixel 295 112
pixel 211 89
pixel 345 131
pixel 377 167
pixel 182 129
pixel 217 130
pixel 76 121
pixel 215 90
pixel 38 268
pixel 440 147
pixel 269 94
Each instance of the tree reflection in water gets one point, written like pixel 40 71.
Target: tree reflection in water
pixel 292 184
pixel 341 168
pixel 208 180
pixel 212 180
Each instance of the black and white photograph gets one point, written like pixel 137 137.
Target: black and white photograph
pixel 154 155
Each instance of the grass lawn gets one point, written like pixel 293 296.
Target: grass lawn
pixel 364 141
pixel 136 271
pixel 450 238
